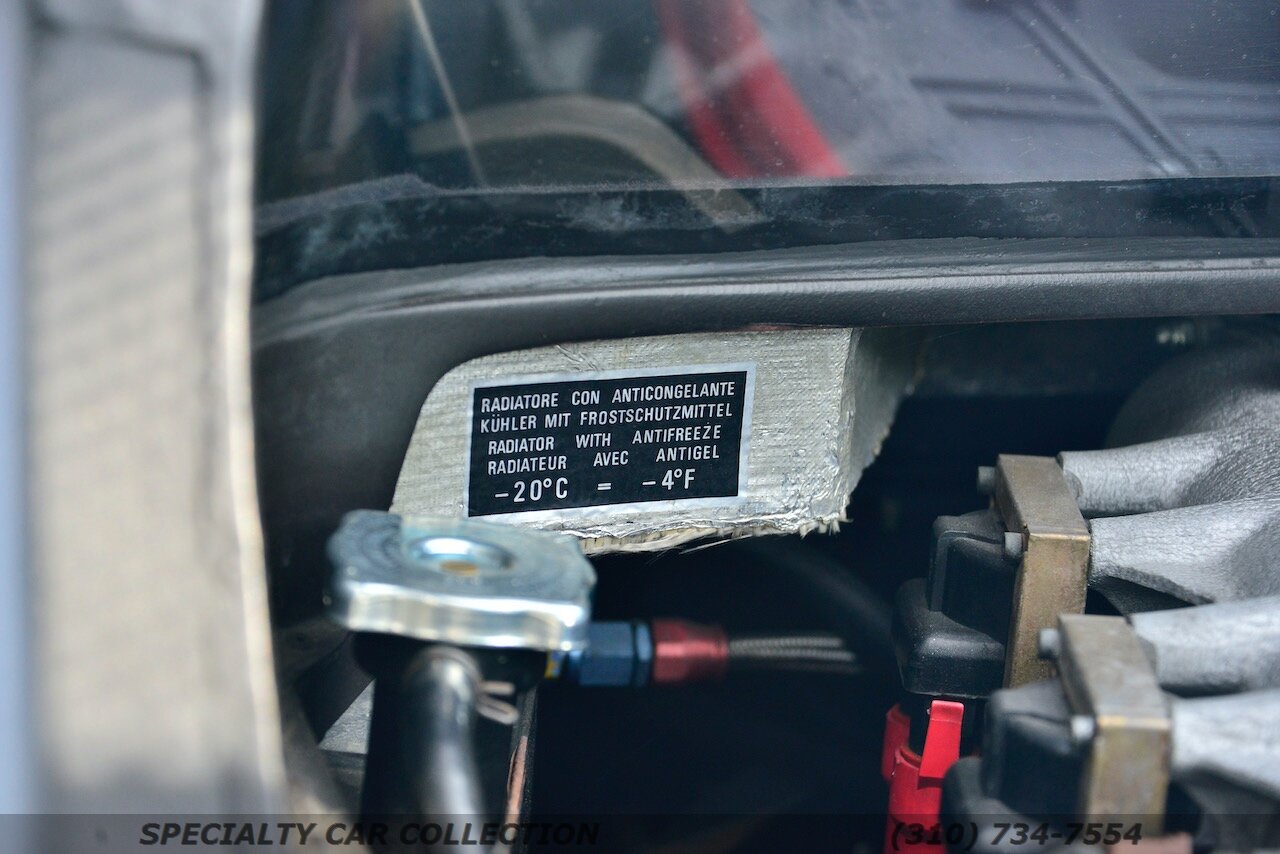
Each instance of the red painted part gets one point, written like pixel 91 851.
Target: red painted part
pixel 915 786
pixel 687 652
pixel 752 122
pixel 713 138
pixel 897 727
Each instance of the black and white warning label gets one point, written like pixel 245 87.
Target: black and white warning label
pixel 610 438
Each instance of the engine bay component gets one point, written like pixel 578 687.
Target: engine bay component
pixel 646 443
pixel 1185 501
pixel 422 741
pixel 1216 552
pixel 1119 708
pixel 1214 649
pixel 603 310
pixel 461 582
pixel 1017 705
pixel 915 778
pixel 448 614
pixel 1045 531
pixel 1220 756
pixel 1152 721
pixel 1227 757
pixel 667 651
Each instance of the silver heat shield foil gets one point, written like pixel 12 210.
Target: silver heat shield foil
pixel 822 401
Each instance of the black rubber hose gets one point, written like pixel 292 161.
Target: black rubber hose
pixel 440 690
pixel 867 618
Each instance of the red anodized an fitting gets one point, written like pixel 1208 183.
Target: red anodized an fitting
pixel 687 652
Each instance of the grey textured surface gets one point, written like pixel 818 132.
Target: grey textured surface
pixel 1226 755
pixel 1200 468
pixel 350 732
pixel 1186 503
pixel 1205 428
pixel 156 691
pixel 1214 649
pixel 1187 510
pixel 1232 385
pixel 1206 553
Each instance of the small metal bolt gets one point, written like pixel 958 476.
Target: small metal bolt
pixel 986 480
pixel 1082 729
pixel 1014 544
pixel 1049 644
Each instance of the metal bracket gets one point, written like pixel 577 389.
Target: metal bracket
pixel 460 582
pixel 1112 688
pixel 1035 502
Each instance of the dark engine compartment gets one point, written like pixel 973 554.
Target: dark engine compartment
pixel 749 763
